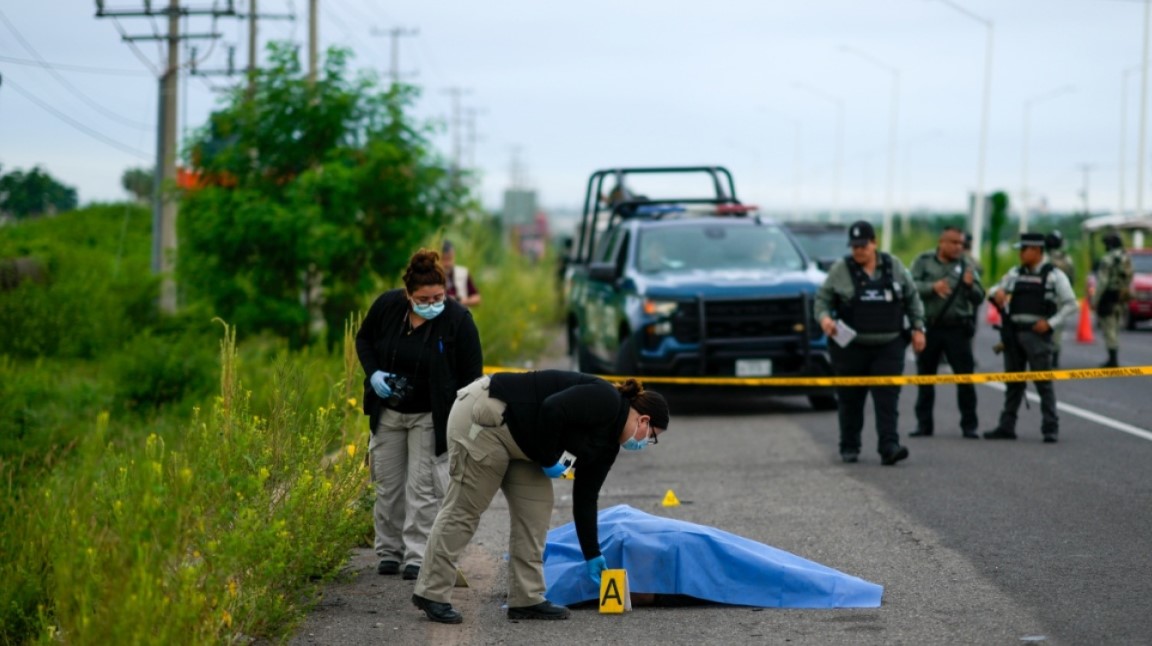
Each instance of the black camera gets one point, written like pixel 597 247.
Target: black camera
pixel 400 390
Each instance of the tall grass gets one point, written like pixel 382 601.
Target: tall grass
pixel 214 538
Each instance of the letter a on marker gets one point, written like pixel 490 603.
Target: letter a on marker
pixel 614 596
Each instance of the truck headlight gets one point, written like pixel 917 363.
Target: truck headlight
pixel 659 308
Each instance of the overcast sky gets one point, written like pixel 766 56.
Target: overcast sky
pixel 576 86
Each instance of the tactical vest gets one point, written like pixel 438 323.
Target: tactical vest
pixel 1029 294
pixel 876 306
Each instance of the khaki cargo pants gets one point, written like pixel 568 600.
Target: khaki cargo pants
pixel 483 457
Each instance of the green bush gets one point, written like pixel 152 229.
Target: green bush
pixel 99 290
pixel 153 370
pixel 219 532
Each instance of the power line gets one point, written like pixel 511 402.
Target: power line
pixel 342 25
pixel 74 123
pixel 135 50
pixel 67 84
pixel 73 68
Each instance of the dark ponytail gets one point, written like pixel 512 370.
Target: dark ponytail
pixel 646 402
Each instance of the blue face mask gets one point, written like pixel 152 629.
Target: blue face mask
pixel 633 444
pixel 428 312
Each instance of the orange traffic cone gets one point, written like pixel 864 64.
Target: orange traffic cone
pixel 1084 332
pixel 993 315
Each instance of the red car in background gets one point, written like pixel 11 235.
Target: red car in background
pixel 1140 292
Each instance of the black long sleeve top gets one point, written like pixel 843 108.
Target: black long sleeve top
pixel 452 353
pixel 552 411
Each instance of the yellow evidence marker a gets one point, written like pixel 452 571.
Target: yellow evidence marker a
pixel 670 500
pixel 614 596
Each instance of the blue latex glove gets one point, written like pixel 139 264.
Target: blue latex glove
pixel 595 567
pixel 555 471
pixel 377 381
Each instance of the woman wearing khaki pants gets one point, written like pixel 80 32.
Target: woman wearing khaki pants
pixel 513 432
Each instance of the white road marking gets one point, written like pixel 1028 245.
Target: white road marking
pixel 1085 414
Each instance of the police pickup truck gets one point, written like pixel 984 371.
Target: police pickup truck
pixel 690 286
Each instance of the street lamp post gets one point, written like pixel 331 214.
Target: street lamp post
pixel 978 206
pixel 797 157
pixel 834 215
pixel 1122 197
pixel 1143 113
pixel 894 112
pixel 1040 98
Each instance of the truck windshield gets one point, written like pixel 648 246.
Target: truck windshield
pixel 706 246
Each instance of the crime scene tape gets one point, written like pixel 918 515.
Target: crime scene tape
pixel 892 380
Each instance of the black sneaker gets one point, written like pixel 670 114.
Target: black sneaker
pixel 893 456
pixel 920 433
pixel 1049 438
pixel 411 573
pixel 970 434
pixel 388 567
pixel 436 611
pixel 999 434
pixel 542 610
pixel 849 457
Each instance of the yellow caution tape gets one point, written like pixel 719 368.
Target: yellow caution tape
pixel 893 380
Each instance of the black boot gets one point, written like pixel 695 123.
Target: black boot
pixel 1112 361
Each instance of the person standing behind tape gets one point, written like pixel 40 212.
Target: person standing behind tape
pixel 1054 245
pixel 512 432
pixel 951 290
pixel 873 294
pixel 1037 298
pixel 460 285
pixel 416 348
pixel 1113 277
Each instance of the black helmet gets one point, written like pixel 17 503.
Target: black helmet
pixel 1112 241
pixel 1054 240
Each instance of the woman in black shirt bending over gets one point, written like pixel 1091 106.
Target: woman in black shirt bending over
pixel 514 431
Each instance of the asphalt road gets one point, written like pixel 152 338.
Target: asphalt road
pixel 975 542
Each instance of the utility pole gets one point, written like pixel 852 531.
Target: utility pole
pixel 252 40
pixel 164 243
pixel 457 134
pixel 394 34
pixel 313 38
pixel 253 17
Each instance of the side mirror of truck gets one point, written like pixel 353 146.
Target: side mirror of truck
pixel 604 272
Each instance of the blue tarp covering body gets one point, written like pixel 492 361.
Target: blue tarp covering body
pixel 666 556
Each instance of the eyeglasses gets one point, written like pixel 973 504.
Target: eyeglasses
pixel 653 438
pixel 430 300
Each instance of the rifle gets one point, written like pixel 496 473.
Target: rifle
pixel 1007 330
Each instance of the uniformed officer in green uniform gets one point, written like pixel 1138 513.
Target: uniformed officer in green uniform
pixel 1037 297
pixel 872 294
pixel 1113 277
pixel 1054 244
pixel 951 290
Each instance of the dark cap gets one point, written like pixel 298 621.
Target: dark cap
pixel 861 232
pixel 1054 240
pixel 1030 239
pixel 1112 240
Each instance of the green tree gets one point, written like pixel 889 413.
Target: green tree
pixel 27 194
pixel 308 189
pixel 997 221
pixel 138 182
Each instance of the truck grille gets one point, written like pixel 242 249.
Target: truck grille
pixel 739 319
